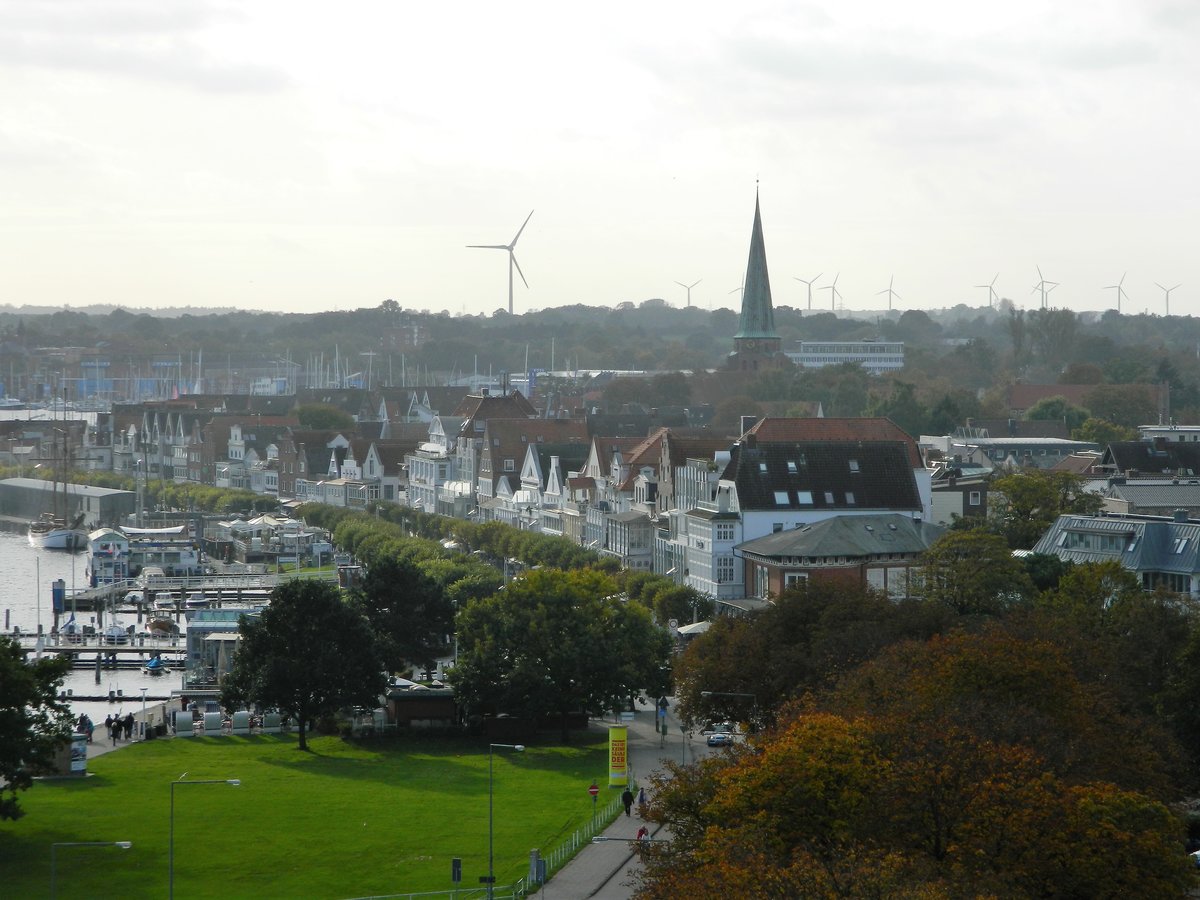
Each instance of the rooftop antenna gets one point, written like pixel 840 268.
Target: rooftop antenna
pixel 834 293
pixel 889 292
pixel 1167 301
pixel 1044 286
pixel 808 284
pixel 1119 287
pixel 688 288
pixel 512 259
pixel 991 289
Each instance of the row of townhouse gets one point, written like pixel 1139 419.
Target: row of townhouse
pixel 688 504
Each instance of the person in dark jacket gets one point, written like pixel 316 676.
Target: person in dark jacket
pixel 627 800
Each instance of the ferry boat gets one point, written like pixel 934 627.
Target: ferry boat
pixel 121 554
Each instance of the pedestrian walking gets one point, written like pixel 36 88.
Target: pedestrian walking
pixel 643 834
pixel 627 800
pixel 128 726
pixel 114 730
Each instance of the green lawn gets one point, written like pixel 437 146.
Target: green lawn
pixel 344 820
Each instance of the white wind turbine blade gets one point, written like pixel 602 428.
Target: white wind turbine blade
pixel 514 240
pixel 488 246
pixel 512 256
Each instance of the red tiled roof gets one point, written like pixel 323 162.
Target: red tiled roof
pixel 847 429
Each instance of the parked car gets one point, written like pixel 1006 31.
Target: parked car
pixel 720 739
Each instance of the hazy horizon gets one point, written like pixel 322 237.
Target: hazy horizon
pixel 275 157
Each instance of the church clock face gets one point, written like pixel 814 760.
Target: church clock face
pixel 751 345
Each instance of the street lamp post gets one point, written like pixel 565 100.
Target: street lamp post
pixel 491 883
pixel 143 690
pixel 171 835
pixel 124 845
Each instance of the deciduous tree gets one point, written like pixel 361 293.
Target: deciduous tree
pixel 408 611
pixel 308 654
pixel 34 724
pixel 556 642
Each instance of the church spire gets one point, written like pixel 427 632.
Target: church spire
pixel 758 315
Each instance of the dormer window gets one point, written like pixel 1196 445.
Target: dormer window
pixel 854 465
pixel 791 467
pixel 762 467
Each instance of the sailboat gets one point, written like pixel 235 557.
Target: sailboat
pixel 52 531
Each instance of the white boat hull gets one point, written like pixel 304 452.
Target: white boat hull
pixel 58 539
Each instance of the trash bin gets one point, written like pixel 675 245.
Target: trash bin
pixel 161 729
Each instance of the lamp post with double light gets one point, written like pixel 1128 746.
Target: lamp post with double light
pixel 123 845
pixel 491 875
pixel 171 835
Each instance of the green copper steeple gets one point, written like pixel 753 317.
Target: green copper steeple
pixel 758 315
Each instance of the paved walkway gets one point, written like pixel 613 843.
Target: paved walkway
pixel 604 870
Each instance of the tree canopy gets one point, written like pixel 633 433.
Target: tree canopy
pixel 408 611
pixel 554 643
pixel 966 765
pixel 309 653
pixel 34 724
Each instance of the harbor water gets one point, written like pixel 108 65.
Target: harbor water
pixel 26 579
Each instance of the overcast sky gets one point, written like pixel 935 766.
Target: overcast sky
pixel 305 157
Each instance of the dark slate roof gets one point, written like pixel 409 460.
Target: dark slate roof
pixel 571 457
pixel 869 535
pixel 1158 494
pixel 1173 458
pixel 1144 544
pixel 838 475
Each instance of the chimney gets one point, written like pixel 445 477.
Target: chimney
pixel 1181 515
pixel 750 441
pixel 1012 427
pixel 748 422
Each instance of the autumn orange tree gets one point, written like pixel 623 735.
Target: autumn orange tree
pixel 965 765
pixel 813 633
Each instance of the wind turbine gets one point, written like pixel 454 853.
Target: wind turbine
pixel 1120 289
pixel 1167 291
pixel 809 284
pixel 1044 286
pixel 834 293
pixel 688 288
pixel 512 259
pixel 991 289
pixel 889 292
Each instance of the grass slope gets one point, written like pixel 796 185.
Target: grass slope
pixel 344 820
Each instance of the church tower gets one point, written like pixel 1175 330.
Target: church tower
pixel 757 345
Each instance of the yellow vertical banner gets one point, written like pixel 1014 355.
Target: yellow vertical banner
pixel 618 756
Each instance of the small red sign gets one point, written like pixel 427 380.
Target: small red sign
pixel 593 790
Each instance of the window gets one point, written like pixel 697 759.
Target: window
pixel 495 442
pixel 791 467
pixel 804 498
pixel 974 498
pixel 849 498
pixel 776 527
pixel 781 498
pixel 790 578
pixel 724 531
pixel 829 497
pixel 509 466
pixel 854 465
pixel 1180 545
pixel 725 569
pixel 762 467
